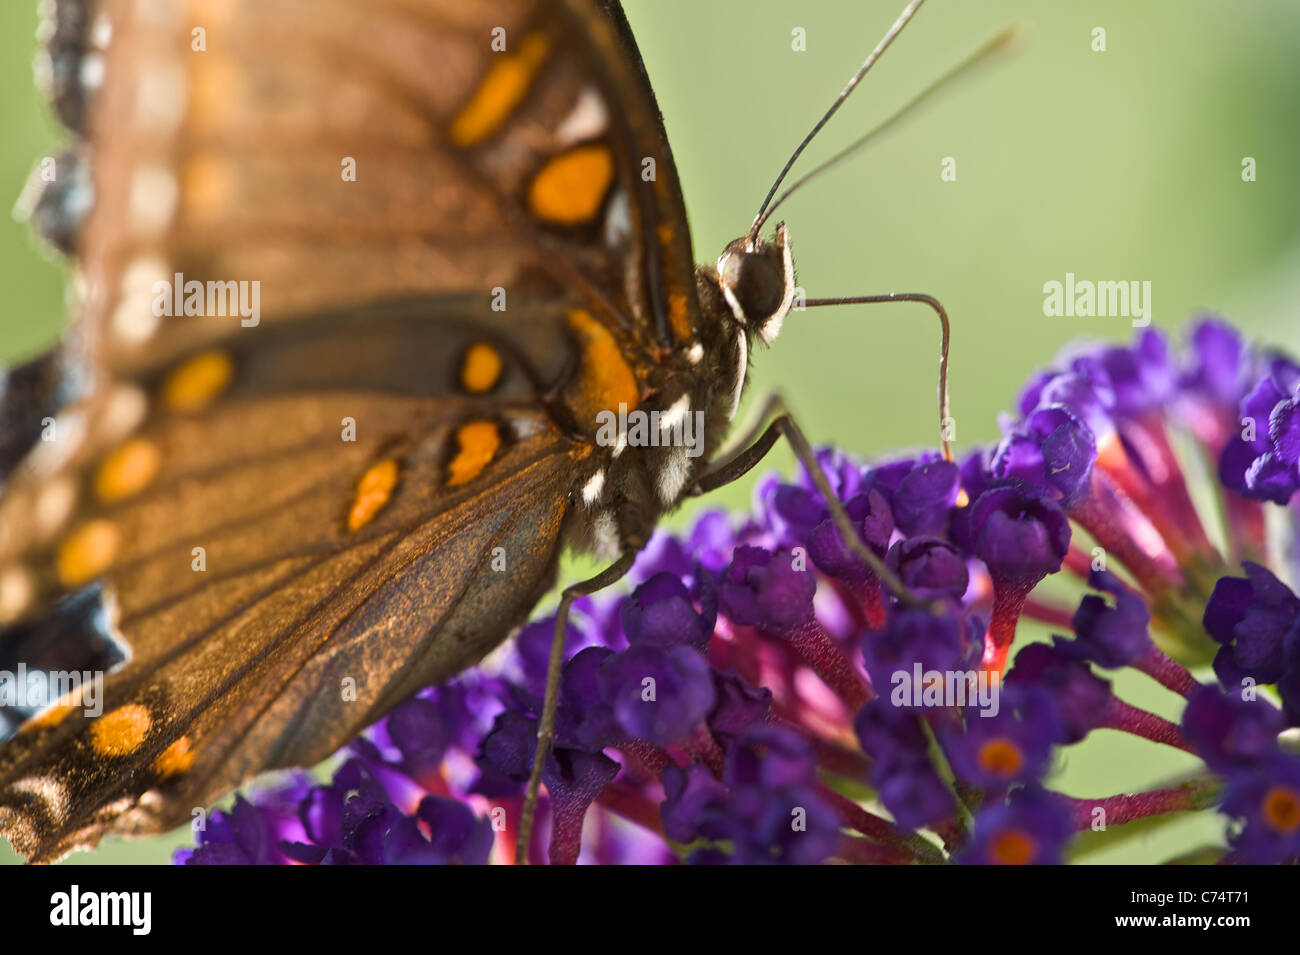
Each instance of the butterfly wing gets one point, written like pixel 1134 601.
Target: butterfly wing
pixel 306 502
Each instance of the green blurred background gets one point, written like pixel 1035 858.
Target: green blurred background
pixel 1122 165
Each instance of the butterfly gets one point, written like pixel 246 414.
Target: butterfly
pixel 360 292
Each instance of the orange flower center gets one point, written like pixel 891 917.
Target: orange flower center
pixel 1001 757
pixel 1282 808
pixel 1011 847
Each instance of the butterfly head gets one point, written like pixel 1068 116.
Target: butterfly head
pixel 756 277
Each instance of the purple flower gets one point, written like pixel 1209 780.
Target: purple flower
pixel 771 757
pixel 691 796
pixel 533 652
pixel 921 501
pixel 683 727
pixel 1251 617
pixel 506 756
pixel 661 612
pixel 1143 377
pixel 1229 732
pixel 766 806
pixel 1266 801
pixel 1031 828
pixel 1110 637
pixel 419 731
pixel 930 567
pixel 657 694
pixel 1053 449
pixel 874 523
pixel 913 641
pixel 248 834
pixel 891 734
pixel 1014 745
pixel 739 705
pixel 1217 362
pixel 1079 696
pixel 901 772
pixel 764 589
pixel 1020 533
pixel 584 718
pixel 1090 399
pixel 774 813
pixel 354 822
pixel 913 793
pixel 1261 461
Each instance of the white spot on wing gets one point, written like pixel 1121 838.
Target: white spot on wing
pixel 69 432
pixel 16 592
pixel 695 353
pixel 587 120
pixel 134 320
pixel 162 13
pixel 124 411
pixel 154 196
pixel 91 73
pixel 101 31
pixel 48 790
pixel 160 95
pixel 54 505
pixel 618 220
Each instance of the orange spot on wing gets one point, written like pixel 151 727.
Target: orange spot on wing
pixel 501 91
pixel 571 186
pixel 193 385
pixel 678 316
pixel 87 552
pixel 51 716
pixel 478 442
pixel 122 731
pixel 207 186
pixel 481 369
pixel 374 490
pixel 212 81
pixel 58 711
pixel 128 470
pixel 175 759
pixel 604 380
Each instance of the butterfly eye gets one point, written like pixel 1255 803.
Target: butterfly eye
pixel 758 283
pixel 756 280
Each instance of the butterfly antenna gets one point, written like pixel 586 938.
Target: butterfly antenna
pixel 945 335
pixel 1003 42
pixel 908 12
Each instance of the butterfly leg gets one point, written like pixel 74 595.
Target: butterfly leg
pixel 755 446
pixel 546 726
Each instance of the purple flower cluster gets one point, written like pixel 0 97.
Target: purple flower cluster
pixel 762 696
